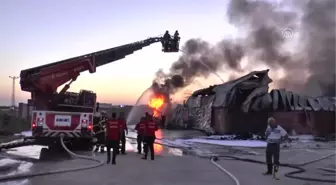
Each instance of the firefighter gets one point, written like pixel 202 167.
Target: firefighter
pixel 149 136
pixel 165 41
pixel 140 128
pixel 275 134
pixel 148 116
pixel 176 40
pixel 166 36
pixel 123 132
pixel 112 138
pixel 176 36
pixel 98 128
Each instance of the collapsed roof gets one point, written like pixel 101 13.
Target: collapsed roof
pixel 250 93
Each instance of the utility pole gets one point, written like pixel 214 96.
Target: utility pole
pixel 13 90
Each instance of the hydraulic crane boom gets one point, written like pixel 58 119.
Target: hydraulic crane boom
pixel 43 81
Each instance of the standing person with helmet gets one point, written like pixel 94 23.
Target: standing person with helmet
pixel 140 128
pixel 166 36
pixel 275 134
pixel 148 116
pixel 112 138
pixel 123 132
pixel 165 41
pixel 149 136
pixel 99 122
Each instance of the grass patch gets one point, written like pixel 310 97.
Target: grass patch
pixel 10 124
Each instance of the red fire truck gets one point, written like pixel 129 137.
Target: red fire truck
pixel 68 114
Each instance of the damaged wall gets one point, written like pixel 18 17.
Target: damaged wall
pixel 195 113
pixel 244 104
pixel 324 123
pixel 295 122
pixel 200 113
pixel 319 123
pixel 177 121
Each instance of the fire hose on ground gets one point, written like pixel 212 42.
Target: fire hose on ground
pixel 100 163
pixel 227 172
pixel 292 174
pixel 298 168
pixel 29 175
pixel 213 160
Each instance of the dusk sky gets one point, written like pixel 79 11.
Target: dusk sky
pixel 37 32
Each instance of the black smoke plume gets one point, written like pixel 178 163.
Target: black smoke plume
pixel 309 65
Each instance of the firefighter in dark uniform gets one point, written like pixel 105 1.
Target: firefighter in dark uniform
pixel 176 40
pixel 149 136
pixel 123 132
pixel 148 116
pixel 99 127
pixel 176 35
pixel 140 128
pixel 166 36
pixel 165 41
pixel 112 138
pixel 275 134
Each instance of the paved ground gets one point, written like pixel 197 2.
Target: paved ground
pixel 250 173
pixel 167 169
pixel 171 167
pixel 131 169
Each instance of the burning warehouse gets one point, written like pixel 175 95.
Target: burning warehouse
pixel 306 59
pixel 243 106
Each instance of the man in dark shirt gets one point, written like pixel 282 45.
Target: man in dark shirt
pixel 166 36
pixel 149 137
pixel 123 132
pixel 140 128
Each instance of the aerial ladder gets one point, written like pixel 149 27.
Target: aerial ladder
pixel 67 114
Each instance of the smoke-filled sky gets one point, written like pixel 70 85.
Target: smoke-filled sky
pixel 249 36
pixel 295 37
pixel 37 32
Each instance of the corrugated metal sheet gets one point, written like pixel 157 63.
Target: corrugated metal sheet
pixel 259 99
pixel 194 102
pixel 177 118
pixel 201 116
pixel 283 100
pixel 253 96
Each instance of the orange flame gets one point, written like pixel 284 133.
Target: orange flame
pixel 156 104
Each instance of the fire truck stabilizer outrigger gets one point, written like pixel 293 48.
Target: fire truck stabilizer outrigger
pixel 67 114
